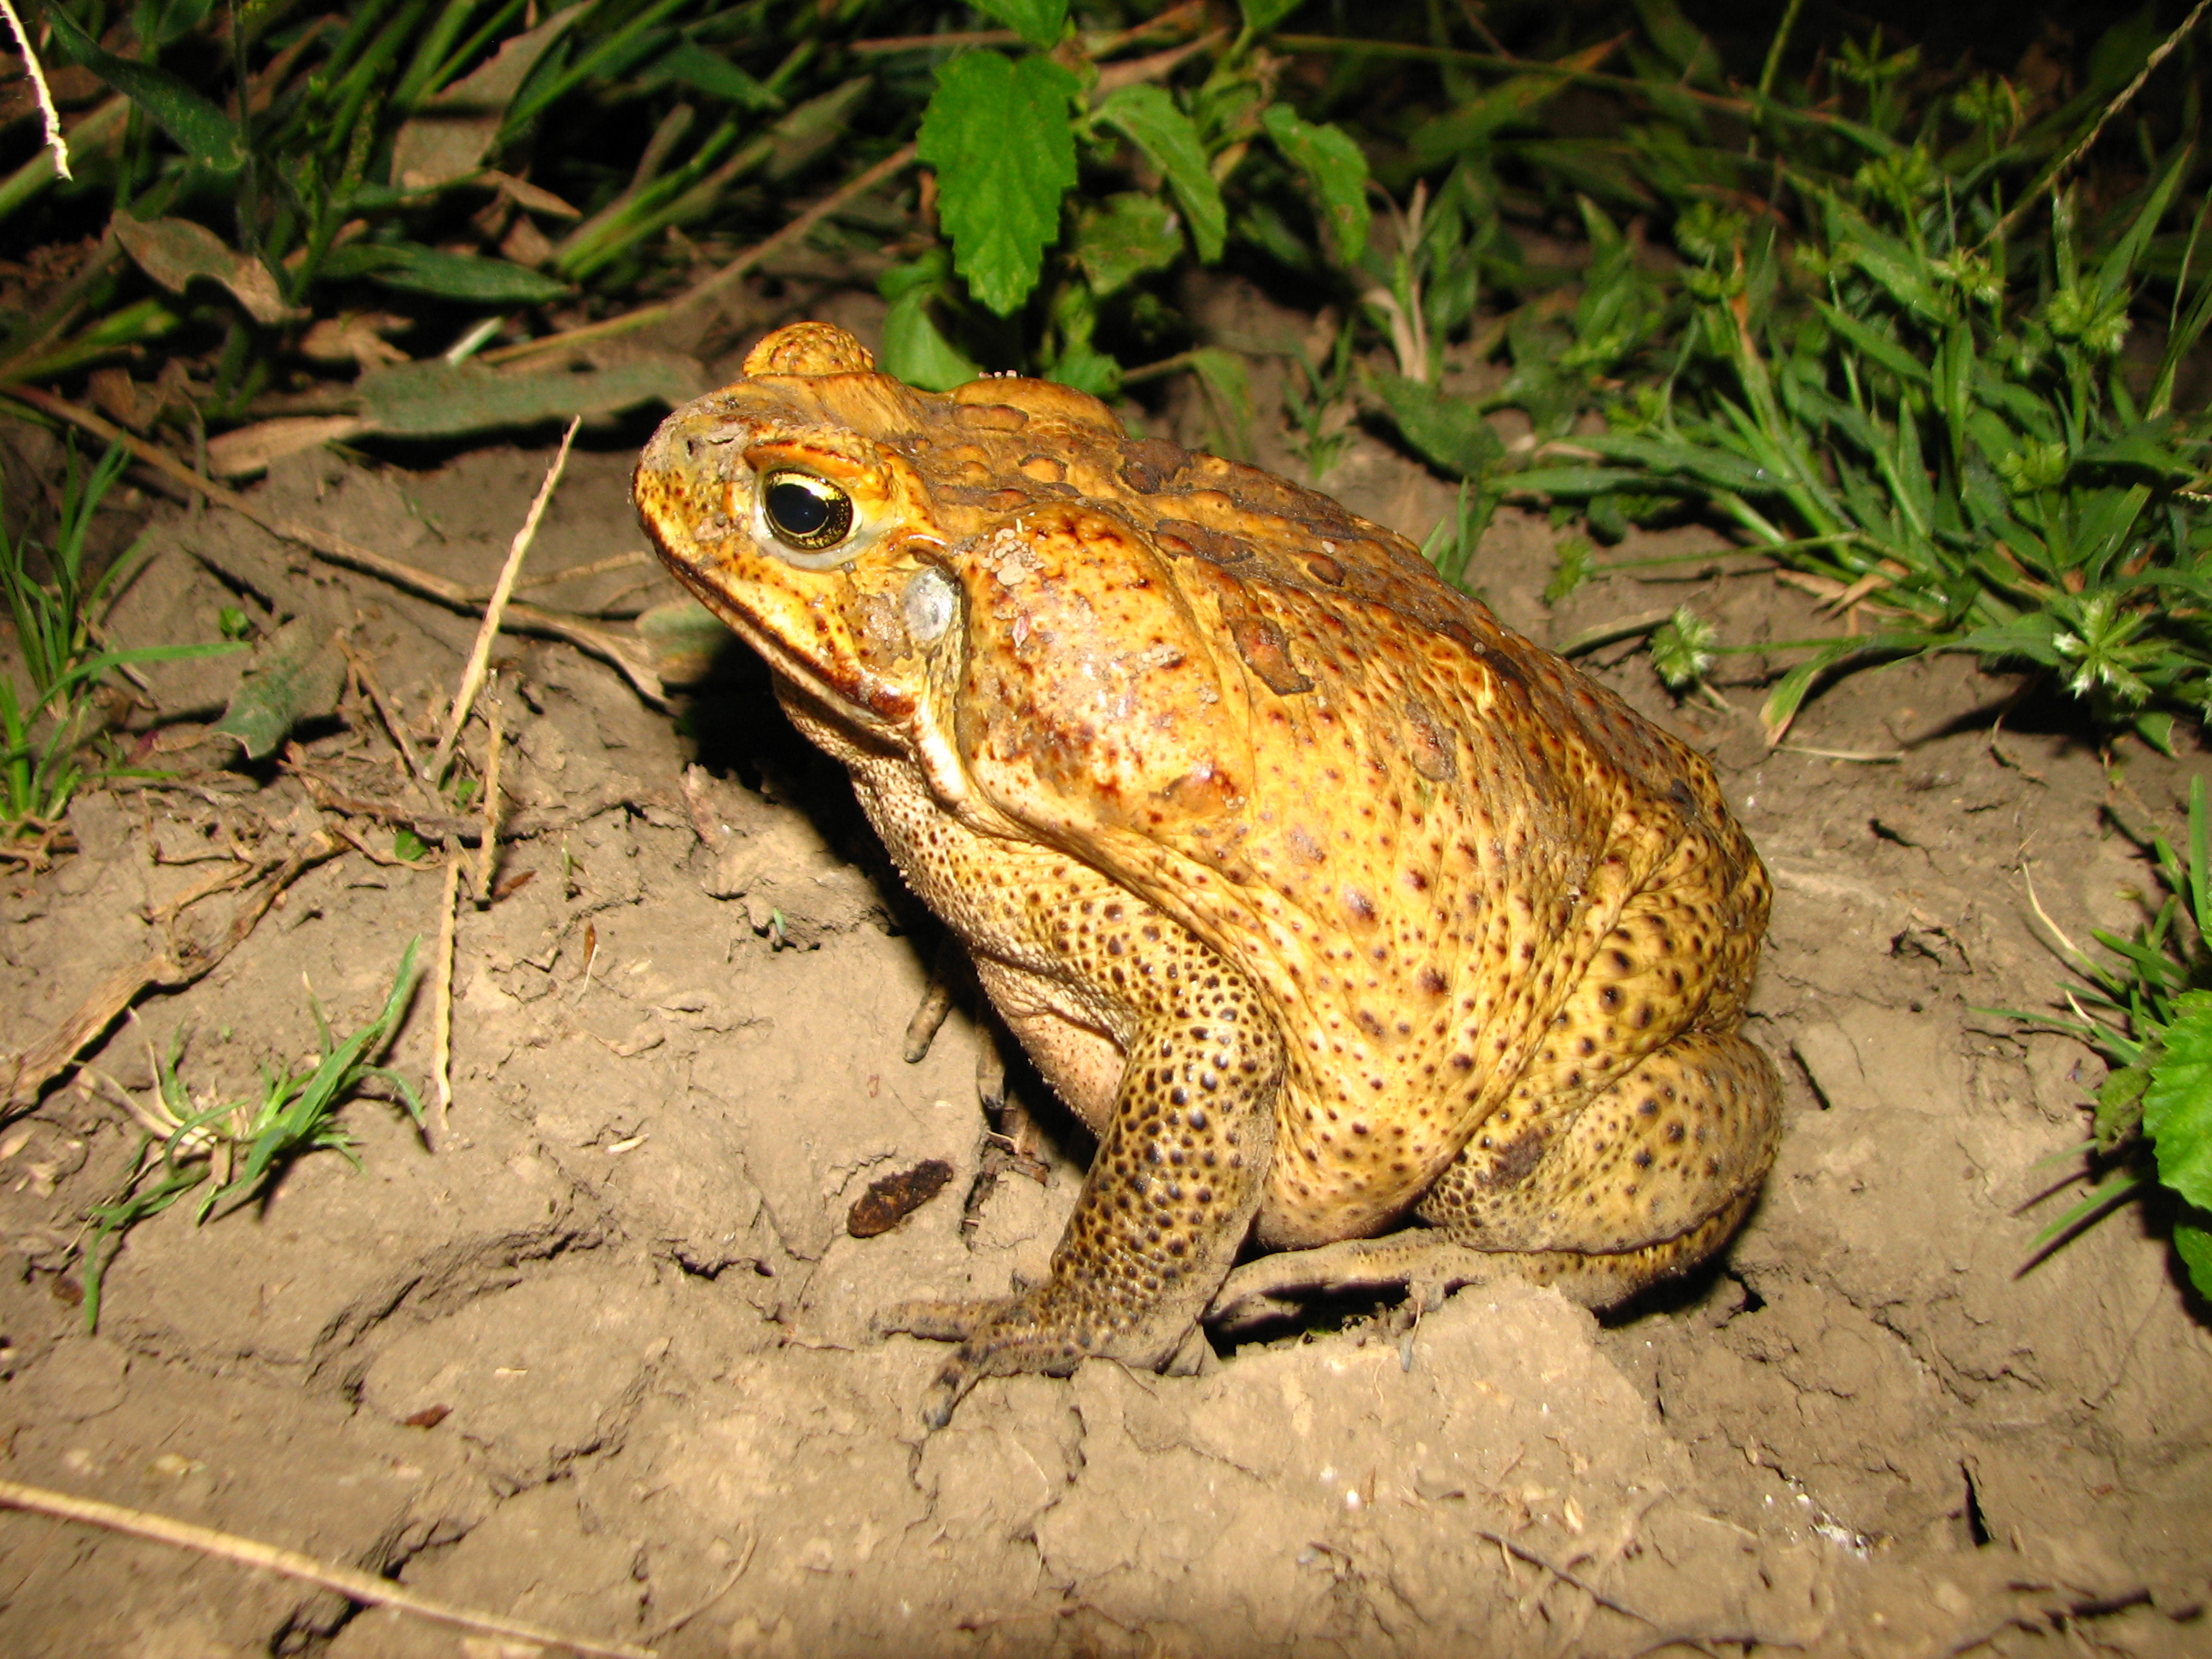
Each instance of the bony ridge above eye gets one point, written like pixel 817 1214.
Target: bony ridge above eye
pixel 805 510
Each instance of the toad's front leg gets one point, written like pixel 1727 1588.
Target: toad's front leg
pixel 1181 1166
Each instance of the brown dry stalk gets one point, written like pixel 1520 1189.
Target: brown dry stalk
pixel 55 142
pixel 480 656
pixel 487 858
pixel 2121 99
pixel 625 655
pixel 348 1582
pixel 442 1002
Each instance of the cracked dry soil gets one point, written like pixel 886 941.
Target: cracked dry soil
pixel 601 1361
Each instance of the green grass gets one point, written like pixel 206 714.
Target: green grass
pixel 250 1142
pixel 49 721
pixel 1871 314
pixel 2147 1008
pixel 237 1148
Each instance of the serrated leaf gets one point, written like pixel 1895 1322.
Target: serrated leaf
pixel 446 139
pixel 999 136
pixel 1337 169
pixel 1040 22
pixel 172 251
pixel 463 276
pixel 1449 431
pixel 1124 237
pixel 2178 1101
pixel 296 677
pixel 202 130
pixel 1147 116
pixel 436 398
pixel 1261 15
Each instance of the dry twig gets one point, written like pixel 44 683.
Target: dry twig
pixel 55 142
pixel 348 1582
pixel 626 656
pixel 472 676
pixel 442 1002
pixel 176 964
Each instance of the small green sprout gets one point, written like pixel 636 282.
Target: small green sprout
pixel 2149 1014
pixel 1682 648
pixel 253 1140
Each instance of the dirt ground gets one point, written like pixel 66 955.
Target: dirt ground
pixel 602 1360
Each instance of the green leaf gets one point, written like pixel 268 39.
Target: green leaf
pixel 2177 1104
pixel 2193 1244
pixel 1261 15
pixel 464 277
pixel 408 845
pixel 1326 155
pixel 1040 22
pixel 913 350
pixel 202 130
pixel 1148 117
pixel 1449 431
pixel 448 137
pixel 1124 237
pixel 683 640
pixel 1468 127
pixel 296 678
pixel 1229 392
pixel 434 398
pixel 999 135
pixel 173 252
pixel 716 76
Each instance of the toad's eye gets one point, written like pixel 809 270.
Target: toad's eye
pixel 806 512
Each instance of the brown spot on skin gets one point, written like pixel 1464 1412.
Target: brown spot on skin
pixel 1260 641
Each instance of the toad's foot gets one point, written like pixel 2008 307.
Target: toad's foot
pixel 1428 1266
pixel 1036 1332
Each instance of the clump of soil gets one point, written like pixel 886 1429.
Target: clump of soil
pixel 603 1360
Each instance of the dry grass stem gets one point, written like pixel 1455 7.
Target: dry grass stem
pixel 2120 101
pixel 348 1582
pixel 624 654
pixel 487 856
pixel 364 676
pixel 707 288
pixel 1883 758
pixel 178 964
pixel 473 675
pixel 57 145
pixel 636 560
pixel 442 1002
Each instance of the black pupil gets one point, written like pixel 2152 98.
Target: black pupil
pixel 796 509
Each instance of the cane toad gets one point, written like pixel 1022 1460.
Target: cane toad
pixel 1330 904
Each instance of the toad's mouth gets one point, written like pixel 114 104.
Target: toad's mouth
pixel 841 685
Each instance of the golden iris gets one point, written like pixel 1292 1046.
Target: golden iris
pixel 806 512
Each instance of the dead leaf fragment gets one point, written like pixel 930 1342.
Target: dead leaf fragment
pixel 446 138
pixel 357 338
pixel 172 251
pixel 249 449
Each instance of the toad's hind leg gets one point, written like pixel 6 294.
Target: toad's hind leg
pixel 1646 1181
pixel 1181 1162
